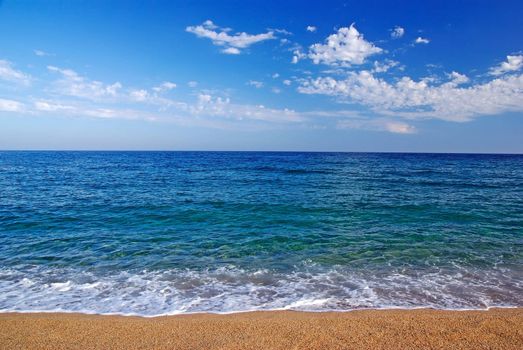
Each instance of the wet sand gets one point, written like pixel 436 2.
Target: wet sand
pixel 366 329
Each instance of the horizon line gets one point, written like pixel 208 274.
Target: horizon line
pixel 254 151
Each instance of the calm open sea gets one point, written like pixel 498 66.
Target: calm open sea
pixel 154 233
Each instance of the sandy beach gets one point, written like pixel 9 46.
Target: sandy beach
pixel 366 329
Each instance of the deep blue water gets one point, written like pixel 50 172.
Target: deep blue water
pixel 167 232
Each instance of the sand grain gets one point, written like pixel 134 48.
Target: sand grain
pixel 369 329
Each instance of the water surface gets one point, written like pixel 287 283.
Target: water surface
pixel 154 233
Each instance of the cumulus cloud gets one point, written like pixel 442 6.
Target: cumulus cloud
pixel 287 82
pixel 397 32
pixel 297 55
pixel 73 84
pixel 512 64
pixel 346 47
pixel 420 40
pixel 10 74
pixel 422 99
pixel 382 67
pixel 457 79
pixel 233 44
pixel 311 29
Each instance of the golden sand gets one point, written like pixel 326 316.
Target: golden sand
pixel 368 329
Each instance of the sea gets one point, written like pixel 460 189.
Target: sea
pixel 162 233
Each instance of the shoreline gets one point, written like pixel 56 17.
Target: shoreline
pixel 225 313
pixel 500 328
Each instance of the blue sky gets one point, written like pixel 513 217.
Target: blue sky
pixel 431 76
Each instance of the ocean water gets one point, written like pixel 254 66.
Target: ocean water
pixel 151 233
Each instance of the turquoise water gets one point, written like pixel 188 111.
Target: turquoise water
pixel 153 233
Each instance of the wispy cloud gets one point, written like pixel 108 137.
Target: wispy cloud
pixel 209 105
pixel 73 84
pixel 51 106
pixel 139 95
pixel 165 86
pixel 232 43
pixel 11 106
pixel 76 95
pixel 42 53
pixel 255 83
pixel 380 124
pixel 10 74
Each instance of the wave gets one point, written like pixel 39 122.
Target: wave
pixel 232 289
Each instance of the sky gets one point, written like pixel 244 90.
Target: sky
pixel 385 76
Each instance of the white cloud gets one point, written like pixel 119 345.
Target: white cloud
pixel 399 128
pixel 116 113
pixel 10 106
pixel 397 32
pixel 280 31
pixel 379 124
pixel 255 83
pixel 221 37
pixel 41 53
pixel 275 76
pixel 287 82
pixel 8 73
pixel 204 98
pixel 75 95
pixel 211 106
pixel 276 90
pixel 421 99
pixel 50 106
pixel 457 79
pixel 231 51
pixel 420 40
pixel 139 95
pixel 73 84
pixel 210 25
pixel 513 64
pixel 346 47
pixel 297 56
pixel 79 109
pixel 192 84
pixel 311 29
pixel 382 67
pixel 165 86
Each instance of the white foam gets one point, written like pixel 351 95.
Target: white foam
pixel 231 289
